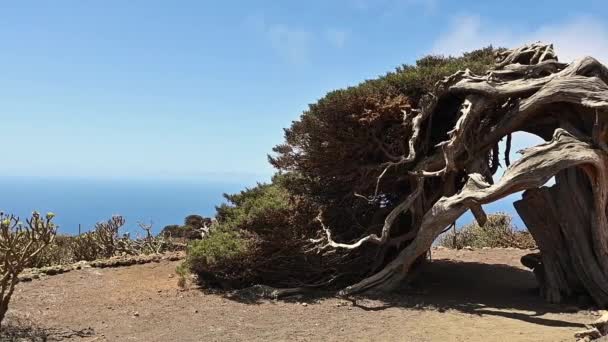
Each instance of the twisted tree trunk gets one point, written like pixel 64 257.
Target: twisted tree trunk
pixel 529 90
pixel 560 219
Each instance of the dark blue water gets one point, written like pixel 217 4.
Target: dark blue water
pixel 86 202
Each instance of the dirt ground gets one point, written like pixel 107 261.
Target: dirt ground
pixel 482 295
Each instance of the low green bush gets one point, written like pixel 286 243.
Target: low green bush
pixel 221 259
pixel 498 231
pixel 259 237
pixel 175 231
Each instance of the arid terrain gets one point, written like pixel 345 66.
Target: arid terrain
pixel 481 295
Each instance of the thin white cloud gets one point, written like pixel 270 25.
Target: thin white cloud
pixel 427 5
pixel 336 37
pixel 575 38
pixel 572 39
pixel 291 44
pixel 394 6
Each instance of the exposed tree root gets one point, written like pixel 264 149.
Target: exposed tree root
pixel 529 90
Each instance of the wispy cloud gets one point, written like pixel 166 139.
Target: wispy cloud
pixel 295 45
pixel 290 43
pixel 392 6
pixel 572 39
pixel 336 37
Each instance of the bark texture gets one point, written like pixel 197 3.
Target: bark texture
pixel 453 155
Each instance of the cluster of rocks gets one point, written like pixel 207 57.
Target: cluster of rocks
pixel 117 261
pixel 596 331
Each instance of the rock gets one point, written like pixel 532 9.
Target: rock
pixel 25 277
pixel 601 324
pixel 304 304
pixel 136 314
pixel 468 248
pixel 592 334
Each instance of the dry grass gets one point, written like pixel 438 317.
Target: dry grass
pixel 497 232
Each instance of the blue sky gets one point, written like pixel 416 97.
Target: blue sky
pixel 202 89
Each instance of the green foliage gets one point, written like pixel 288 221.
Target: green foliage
pixel 196 221
pixel 220 259
pixel 191 230
pixel 260 236
pixel 219 247
pixel 335 149
pixel 338 146
pixel 497 232
pixel 180 232
pixel 256 209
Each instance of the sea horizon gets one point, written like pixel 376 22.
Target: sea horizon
pixel 83 202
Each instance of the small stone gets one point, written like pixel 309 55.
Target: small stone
pixel 195 311
pixel 304 304
pixel 136 314
pixel 591 333
pixel 468 248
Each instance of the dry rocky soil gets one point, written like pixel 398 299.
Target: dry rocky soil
pixel 480 295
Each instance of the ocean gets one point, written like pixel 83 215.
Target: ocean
pixel 86 202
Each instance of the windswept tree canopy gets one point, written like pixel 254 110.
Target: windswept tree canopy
pixel 391 163
pixel 342 143
pixel 453 135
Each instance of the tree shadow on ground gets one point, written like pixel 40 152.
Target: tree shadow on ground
pixel 468 287
pixel 473 288
pixel 16 328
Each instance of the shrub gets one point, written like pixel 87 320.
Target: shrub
pixel 104 241
pixel 85 247
pixel 221 259
pixel 261 236
pixel 197 221
pixel 59 252
pixel 497 232
pixel 180 232
pixel 19 245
